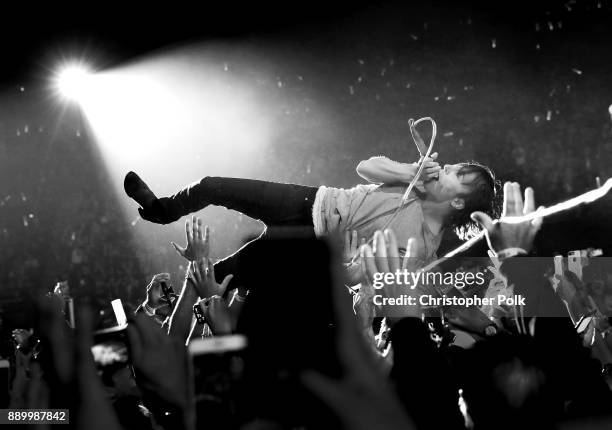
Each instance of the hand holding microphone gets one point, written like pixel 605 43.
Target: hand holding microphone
pixel 432 168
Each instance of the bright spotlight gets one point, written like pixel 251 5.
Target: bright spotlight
pixel 73 82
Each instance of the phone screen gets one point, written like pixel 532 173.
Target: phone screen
pixel 110 346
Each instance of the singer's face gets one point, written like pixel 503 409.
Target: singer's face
pixel 451 183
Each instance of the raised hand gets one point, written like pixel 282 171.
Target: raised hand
pixel 385 255
pixel 198 245
pixel 160 360
pixel 72 368
pixel 217 315
pixel 163 370
pixel 362 399
pixel 351 245
pixel 385 258
pixel 502 234
pixel 202 275
pixel 352 268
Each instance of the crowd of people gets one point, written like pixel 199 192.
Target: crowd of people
pixel 298 341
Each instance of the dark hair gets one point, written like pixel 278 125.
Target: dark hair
pixel 483 197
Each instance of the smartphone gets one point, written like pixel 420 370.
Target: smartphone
pixel 119 312
pixel 574 263
pixel 110 346
pixel 110 353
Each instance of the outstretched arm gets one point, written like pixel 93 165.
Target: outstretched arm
pixel 382 170
pixel 182 316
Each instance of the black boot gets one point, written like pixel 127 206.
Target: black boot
pixel 152 209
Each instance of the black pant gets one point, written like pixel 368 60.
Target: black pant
pixel 273 203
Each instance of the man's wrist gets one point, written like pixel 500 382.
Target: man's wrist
pixel 408 172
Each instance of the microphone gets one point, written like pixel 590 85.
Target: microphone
pixel 419 143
